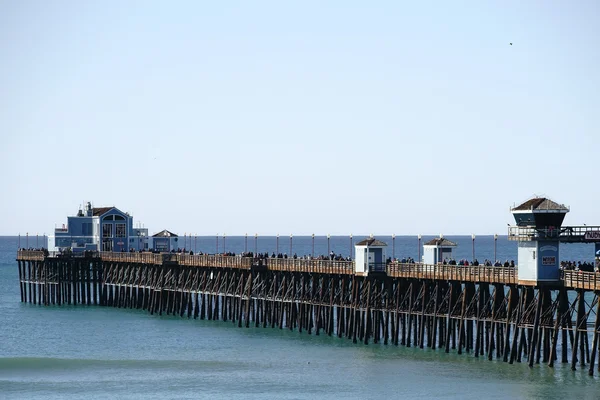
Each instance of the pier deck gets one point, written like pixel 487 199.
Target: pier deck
pixel 476 274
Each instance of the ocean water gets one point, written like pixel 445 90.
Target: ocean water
pixel 105 353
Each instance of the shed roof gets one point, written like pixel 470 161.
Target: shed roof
pixel 97 211
pixel 164 233
pixel 441 242
pixel 371 242
pixel 539 203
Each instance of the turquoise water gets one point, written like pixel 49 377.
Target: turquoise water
pixel 106 353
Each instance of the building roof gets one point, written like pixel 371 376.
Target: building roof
pixel 440 242
pixel 371 242
pixel 164 233
pixel 539 203
pixel 97 211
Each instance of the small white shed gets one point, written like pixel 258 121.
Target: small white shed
pixel 437 250
pixel 370 256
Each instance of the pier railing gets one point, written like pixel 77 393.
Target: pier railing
pixel 313 266
pixel 573 234
pixel 478 273
pixel 205 260
pixel 581 280
pixel 141 258
pixel 32 255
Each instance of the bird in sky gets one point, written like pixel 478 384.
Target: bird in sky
pixel 510 43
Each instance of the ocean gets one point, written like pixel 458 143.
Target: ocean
pixel 104 353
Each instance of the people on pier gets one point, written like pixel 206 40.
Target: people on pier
pixel 577 266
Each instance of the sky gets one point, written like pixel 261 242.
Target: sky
pixel 298 117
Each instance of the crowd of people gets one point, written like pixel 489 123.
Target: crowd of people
pixel 486 263
pixel 461 262
pixel 332 256
pixel 578 266
pixel 32 249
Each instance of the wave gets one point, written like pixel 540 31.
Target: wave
pixel 50 363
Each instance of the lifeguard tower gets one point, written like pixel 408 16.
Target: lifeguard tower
pixel 538 231
pixel 437 250
pixel 370 256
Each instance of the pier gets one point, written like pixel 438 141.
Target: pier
pixel 482 311
pixel 535 311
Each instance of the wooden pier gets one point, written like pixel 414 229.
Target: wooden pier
pixel 483 311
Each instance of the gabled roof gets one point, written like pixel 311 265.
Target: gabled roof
pixel 441 242
pixel 539 203
pixel 164 233
pixel 97 211
pixel 371 242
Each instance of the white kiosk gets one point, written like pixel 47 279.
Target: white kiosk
pixel 370 256
pixel 164 241
pixel 437 250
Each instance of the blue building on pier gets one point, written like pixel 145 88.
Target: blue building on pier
pixel 99 229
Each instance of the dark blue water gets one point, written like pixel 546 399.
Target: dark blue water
pixel 105 353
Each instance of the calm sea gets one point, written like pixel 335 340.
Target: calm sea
pixel 104 353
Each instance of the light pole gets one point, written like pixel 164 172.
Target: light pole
pixel 419 248
pixel 328 247
pixel 224 243
pixel 217 249
pixel 393 246
pixel 37 246
pixel 255 244
pixel 291 247
pixel 495 242
pixel 440 253
pixel 313 246
pixel 473 248
pixel 277 245
pixel 27 240
pixel 246 243
pixel 350 245
pixel 195 243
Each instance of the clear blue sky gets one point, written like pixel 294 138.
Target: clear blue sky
pixel 298 117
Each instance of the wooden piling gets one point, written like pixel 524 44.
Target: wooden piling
pixel 595 337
